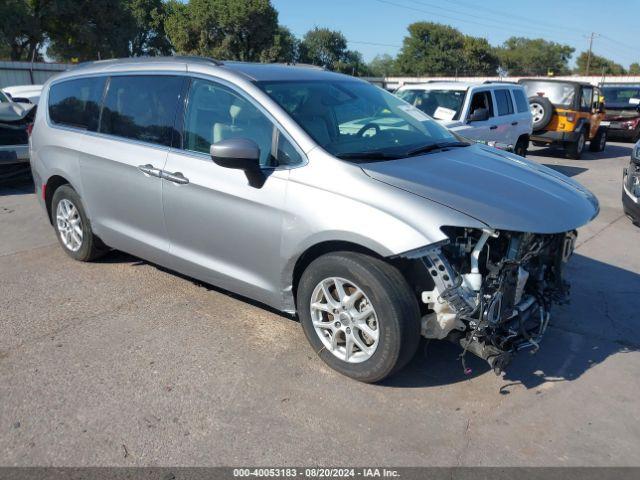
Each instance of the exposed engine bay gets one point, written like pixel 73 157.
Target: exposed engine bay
pixel 493 290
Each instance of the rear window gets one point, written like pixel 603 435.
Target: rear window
pixel 76 103
pixel 503 100
pixel 522 103
pixel 142 107
pixel 558 93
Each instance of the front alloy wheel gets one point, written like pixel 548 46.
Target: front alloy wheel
pixel 344 319
pixel 359 314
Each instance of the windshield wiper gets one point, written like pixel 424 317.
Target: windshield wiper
pixel 367 156
pixel 435 146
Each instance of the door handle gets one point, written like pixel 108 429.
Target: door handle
pixel 514 123
pixel 150 170
pixel 493 127
pixel 176 177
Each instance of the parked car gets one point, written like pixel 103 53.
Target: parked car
pixel 631 186
pixel 623 110
pixel 488 112
pixel 566 114
pixel 16 120
pixel 251 177
pixel 24 93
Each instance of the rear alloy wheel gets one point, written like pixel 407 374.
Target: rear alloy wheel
pixel 72 226
pixel 359 315
pixel 574 149
pixel 541 111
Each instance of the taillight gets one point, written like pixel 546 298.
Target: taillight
pixel 29 129
pixel 571 117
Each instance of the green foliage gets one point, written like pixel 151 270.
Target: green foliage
pixel 284 49
pixel 526 56
pixel 382 66
pixel 149 37
pixel 436 49
pixel 323 47
pixel 21 29
pixel 225 29
pixel 598 65
pixel 328 48
pixel 634 69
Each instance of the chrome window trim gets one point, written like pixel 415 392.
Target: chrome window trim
pixel 171 73
pixel 245 95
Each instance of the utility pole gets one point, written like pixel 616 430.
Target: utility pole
pixel 591 37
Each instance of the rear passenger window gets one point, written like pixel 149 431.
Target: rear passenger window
pixel 142 107
pixel 503 101
pixel 76 103
pixel 521 100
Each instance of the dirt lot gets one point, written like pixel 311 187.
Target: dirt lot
pixel 121 363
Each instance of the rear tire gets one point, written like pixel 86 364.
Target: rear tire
pixel 390 333
pixel 574 149
pixel 599 141
pixel 522 145
pixel 72 226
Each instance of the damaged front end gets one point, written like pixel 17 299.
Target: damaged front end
pixel 492 290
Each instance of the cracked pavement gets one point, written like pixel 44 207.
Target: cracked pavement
pixel 119 362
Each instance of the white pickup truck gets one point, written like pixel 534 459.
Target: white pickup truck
pixel 488 112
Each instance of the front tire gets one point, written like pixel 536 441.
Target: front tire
pixel 599 142
pixel 72 226
pixel 359 315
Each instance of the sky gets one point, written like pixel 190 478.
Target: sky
pixel 379 26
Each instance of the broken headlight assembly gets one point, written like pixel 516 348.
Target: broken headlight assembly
pixel 492 290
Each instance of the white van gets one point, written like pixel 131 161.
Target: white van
pixel 489 112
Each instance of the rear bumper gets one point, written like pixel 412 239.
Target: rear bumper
pixel 12 154
pixel 554 137
pixel 623 133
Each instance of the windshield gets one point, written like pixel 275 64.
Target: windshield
pixel 3 98
pixel 562 94
pixel 622 96
pixel 352 118
pixel 440 104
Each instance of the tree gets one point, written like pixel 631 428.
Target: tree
pixel 284 49
pixel 21 31
pixel 149 37
pixel 352 63
pixel 525 56
pixel 226 29
pixel 634 69
pixel 598 65
pixel 382 66
pixel 89 30
pixel 323 47
pixel 436 49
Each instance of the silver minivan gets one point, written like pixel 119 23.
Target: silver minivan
pixel 314 193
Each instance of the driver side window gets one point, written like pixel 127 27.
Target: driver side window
pixel 481 100
pixel 215 113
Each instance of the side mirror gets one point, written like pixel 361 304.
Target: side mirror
pixel 238 153
pixel 479 115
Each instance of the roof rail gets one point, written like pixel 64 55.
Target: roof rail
pixel 171 58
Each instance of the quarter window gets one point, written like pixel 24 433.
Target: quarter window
pixel 76 103
pixel 215 113
pixel 503 102
pixel 521 100
pixel 142 107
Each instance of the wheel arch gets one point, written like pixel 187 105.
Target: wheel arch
pixel 53 183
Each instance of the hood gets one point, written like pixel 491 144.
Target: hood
pixel 497 188
pixel 14 112
pixel 622 114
